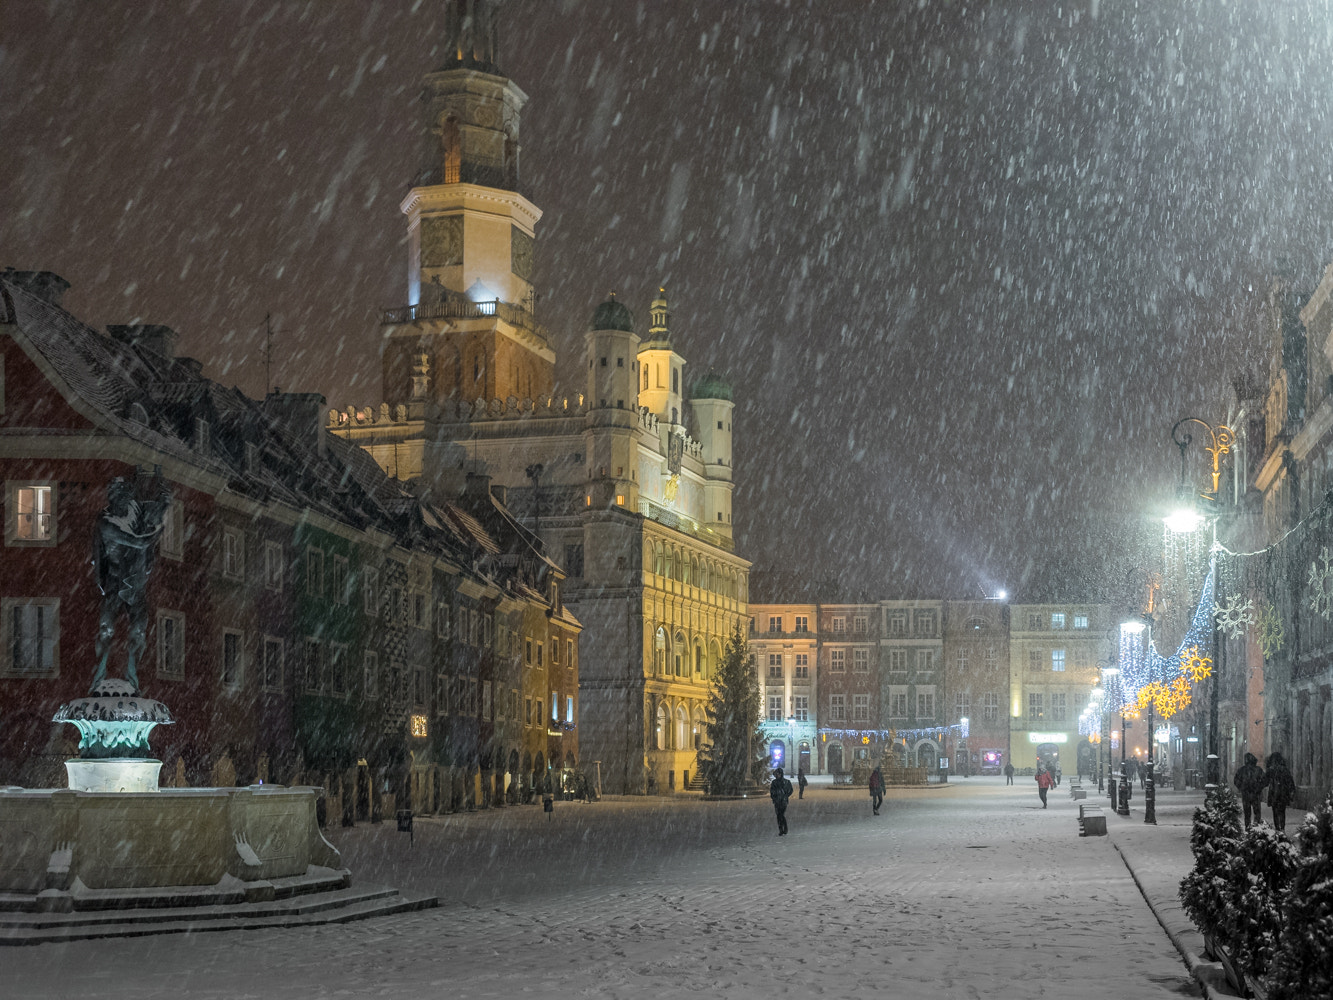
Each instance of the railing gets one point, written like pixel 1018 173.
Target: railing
pixel 454 307
pixel 684 523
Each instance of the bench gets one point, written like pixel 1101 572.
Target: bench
pixel 1074 789
pixel 1078 793
pixel 1091 821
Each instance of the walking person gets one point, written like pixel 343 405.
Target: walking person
pixel 1009 774
pixel 801 783
pixel 780 791
pixel 1044 782
pixel 1281 787
pixel 1058 775
pixel 876 790
pixel 1250 781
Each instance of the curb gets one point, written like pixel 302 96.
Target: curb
pixel 1208 975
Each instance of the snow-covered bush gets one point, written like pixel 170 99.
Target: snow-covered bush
pixel 1303 964
pixel 1203 892
pixel 1258 882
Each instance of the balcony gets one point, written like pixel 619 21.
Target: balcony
pixel 685 524
pixel 454 306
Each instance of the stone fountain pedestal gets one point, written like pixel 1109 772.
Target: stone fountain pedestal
pixel 113 723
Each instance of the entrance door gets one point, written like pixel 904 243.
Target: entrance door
pixel 835 759
pixel 804 759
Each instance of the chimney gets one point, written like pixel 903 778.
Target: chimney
pixel 160 340
pixel 45 285
pixel 478 485
pixel 301 414
pixel 500 493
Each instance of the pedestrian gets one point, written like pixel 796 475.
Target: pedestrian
pixel 780 791
pixel 876 790
pixel 1044 782
pixel 1009 773
pixel 801 783
pixel 1058 775
pixel 1281 787
pixel 1250 781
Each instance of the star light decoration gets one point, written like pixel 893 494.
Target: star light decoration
pixel 1271 632
pixel 1234 618
pixel 1320 584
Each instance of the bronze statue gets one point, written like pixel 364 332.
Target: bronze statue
pixel 123 552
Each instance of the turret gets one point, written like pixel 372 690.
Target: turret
pixel 612 418
pixel 661 369
pixel 710 399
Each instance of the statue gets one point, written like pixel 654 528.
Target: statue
pixel 123 552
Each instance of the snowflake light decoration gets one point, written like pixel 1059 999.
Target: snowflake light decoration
pixel 1271 633
pixel 1195 667
pixel 1234 618
pixel 1320 584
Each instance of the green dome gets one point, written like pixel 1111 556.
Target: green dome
pixel 611 315
pixel 711 386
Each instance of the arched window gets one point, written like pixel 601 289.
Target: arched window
pixel 671 563
pixel 675 386
pixel 452 150
pixel 682 728
pixel 694 572
pixel 699 659
pixel 645 378
pixel 700 722
pixel 662 727
pixel 660 649
pixel 679 650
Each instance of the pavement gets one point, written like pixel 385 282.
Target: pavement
pixel 965 891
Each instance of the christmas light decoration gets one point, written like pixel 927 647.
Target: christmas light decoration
pixel 1234 618
pixel 1271 632
pixel 1320 583
pixel 1194 666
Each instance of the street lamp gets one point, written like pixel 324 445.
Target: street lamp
pixel 1096 709
pixel 1143 626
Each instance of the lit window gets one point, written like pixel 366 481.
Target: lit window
pixel 1057 620
pixel 1057 659
pixel 569 709
pixel 32 520
pixel 1080 621
pixel 419 726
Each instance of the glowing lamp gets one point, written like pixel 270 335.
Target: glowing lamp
pixel 1182 521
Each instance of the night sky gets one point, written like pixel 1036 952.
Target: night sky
pixel 966 264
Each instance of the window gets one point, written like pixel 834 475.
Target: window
pixel 32 636
pixel 419 611
pixel 925 660
pixel 32 514
pixel 860 708
pixel 1058 659
pixel 992 658
pixel 990 707
pixel 925 706
pixel 232 653
pixel 569 709
pixel 775 623
pixel 1036 659
pixel 1080 621
pixel 271 678
pixel 960 661
pixel 962 704
pixel 898 623
pixel 233 553
pixel 839 624
pixel 775 708
pixel 1059 706
pixel 555 652
pixel 313 667
pixel 172 542
pixel 338 581
pixel 802 708
pixel 555 706
pixel 861 661
pixel 370 673
pixel 1057 620
pixel 837 660
pixel 1034 623
pixel 802 623
pixel 775 666
pixel 837 708
pixel 170 645
pixel 527 710
pixel 486 699
pixel 370 591
pixel 925 623
pixel 898 661
pixel 802 669
pixel 1035 705
pixel 338 668
pixel 859 624
pixel 442 619
pixel 314 572
pixel 898 702
pixel 273 565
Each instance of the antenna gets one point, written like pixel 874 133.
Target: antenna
pixel 268 354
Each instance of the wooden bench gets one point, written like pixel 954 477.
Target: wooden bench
pixel 1091 821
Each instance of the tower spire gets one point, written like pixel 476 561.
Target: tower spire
pixel 471 39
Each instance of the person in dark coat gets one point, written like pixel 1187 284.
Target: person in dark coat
pixel 1009 774
pixel 1250 781
pixel 801 783
pixel 876 790
pixel 1281 787
pixel 780 791
pixel 1044 783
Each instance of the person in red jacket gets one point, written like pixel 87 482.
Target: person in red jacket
pixel 1044 782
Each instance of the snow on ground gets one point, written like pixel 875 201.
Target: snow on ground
pixel 965 891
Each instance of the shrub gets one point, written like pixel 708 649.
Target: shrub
pixel 1203 892
pixel 1258 882
pixel 1303 964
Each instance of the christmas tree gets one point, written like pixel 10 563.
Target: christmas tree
pixel 733 757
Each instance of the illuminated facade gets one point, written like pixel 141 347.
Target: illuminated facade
pixel 628 485
pixel 784 641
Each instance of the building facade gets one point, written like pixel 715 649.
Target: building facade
pixel 785 644
pixel 628 486
pixel 976 682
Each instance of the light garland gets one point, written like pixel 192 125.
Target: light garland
pixel 958 730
